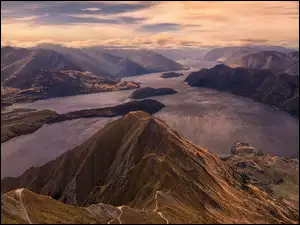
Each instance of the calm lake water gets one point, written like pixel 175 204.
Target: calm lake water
pixel 212 119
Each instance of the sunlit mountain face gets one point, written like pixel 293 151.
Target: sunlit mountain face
pixel 147 24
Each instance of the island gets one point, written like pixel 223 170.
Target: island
pixel 171 74
pixel 149 92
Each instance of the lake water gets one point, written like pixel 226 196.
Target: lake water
pixel 212 119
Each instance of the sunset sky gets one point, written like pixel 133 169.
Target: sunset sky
pixel 150 24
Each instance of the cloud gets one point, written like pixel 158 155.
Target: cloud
pixel 147 24
pixel 160 27
pixel 31 17
pixel 91 9
pixel 249 41
pixel 67 19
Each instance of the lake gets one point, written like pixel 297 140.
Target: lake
pixel 209 118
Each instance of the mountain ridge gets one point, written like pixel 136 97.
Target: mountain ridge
pixel 150 167
pixel 276 58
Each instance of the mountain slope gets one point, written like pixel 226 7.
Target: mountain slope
pixel 140 162
pixel 16 62
pixel 276 58
pixel 276 61
pixel 20 63
pixel 116 62
pixel 227 53
pixel 280 90
pixel 150 60
pixel 24 206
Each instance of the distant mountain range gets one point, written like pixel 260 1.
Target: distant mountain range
pixel 49 70
pixel 276 58
pixel 100 61
pixel 273 60
pixel 139 170
pixel 237 51
pixel 278 89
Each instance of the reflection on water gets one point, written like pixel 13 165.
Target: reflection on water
pixel 212 119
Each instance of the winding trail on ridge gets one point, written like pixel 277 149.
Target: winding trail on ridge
pixel 156 208
pixel 19 193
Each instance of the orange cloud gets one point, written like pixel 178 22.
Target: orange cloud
pixel 200 24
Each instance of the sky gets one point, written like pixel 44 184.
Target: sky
pixel 150 24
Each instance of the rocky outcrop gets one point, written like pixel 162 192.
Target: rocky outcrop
pixel 144 168
pixel 171 74
pixel 279 90
pixel 273 174
pixel 149 92
pixel 240 148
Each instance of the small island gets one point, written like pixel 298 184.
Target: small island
pixel 171 74
pixel 149 92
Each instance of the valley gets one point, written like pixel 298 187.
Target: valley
pixel 212 119
pixel 150 112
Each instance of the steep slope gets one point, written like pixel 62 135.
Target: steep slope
pixel 149 60
pixel 220 54
pixel 273 60
pixel 24 206
pixel 140 162
pixel 229 53
pixel 18 63
pixel 21 62
pixel 116 62
pixel 115 65
pixel 276 58
pixel 98 61
pixel 280 90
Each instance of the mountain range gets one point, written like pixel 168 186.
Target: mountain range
pixel 139 170
pixel 115 62
pixel 49 70
pixel 276 58
pixel 100 61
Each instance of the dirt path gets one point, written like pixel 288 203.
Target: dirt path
pixel 19 193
